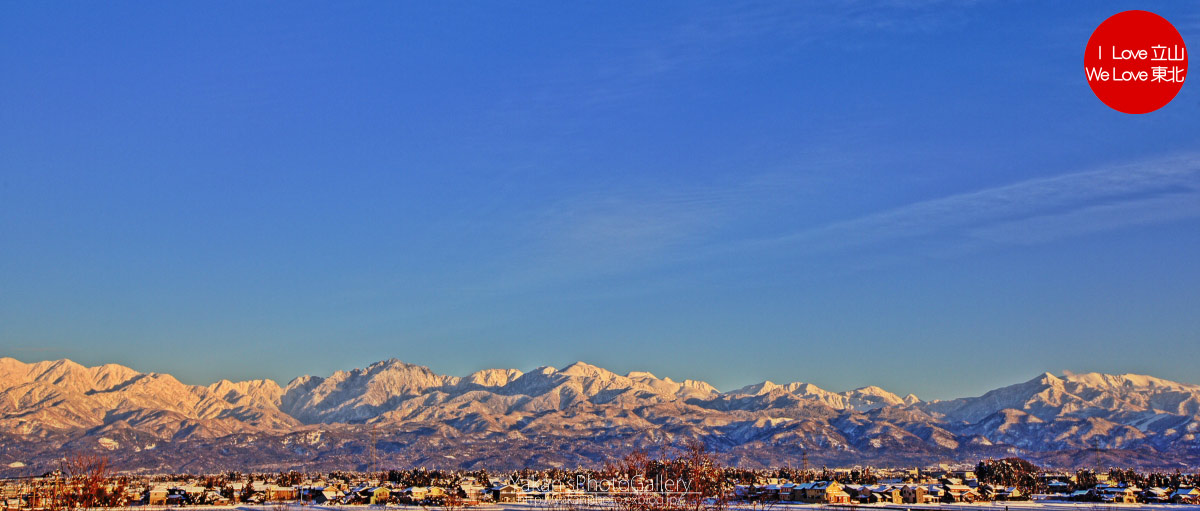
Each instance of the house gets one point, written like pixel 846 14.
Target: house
pixel 800 492
pixel 413 494
pixel 1056 486
pixel 785 490
pixel 193 492
pixel 1082 496
pixel 327 496
pixel 1186 495
pixel 769 492
pixel 275 493
pixel 156 496
pixel 855 491
pixel 177 496
pixel 829 492
pixel 505 493
pixel 320 495
pixel 1156 495
pixel 254 492
pixel 215 498
pixel 1008 493
pixel 913 494
pixel 376 495
pixel 963 475
pixel 1117 494
pixel 130 495
pixel 886 495
pixel 470 493
pixel 955 493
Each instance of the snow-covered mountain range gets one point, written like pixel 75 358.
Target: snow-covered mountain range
pixel 577 415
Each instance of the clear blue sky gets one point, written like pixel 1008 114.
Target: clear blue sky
pixel 924 196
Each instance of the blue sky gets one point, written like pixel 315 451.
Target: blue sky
pixel 924 196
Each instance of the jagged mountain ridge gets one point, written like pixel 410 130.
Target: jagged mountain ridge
pixel 585 413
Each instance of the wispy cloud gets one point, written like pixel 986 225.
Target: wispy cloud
pixel 618 234
pixel 641 58
pixel 613 230
pixel 1032 211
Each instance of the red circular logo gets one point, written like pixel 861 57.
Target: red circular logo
pixel 1135 62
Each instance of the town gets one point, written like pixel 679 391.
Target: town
pixel 86 482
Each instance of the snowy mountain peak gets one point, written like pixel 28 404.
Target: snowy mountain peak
pixel 586 406
pixel 1078 395
pixel 1137 381
pixel 492 377
pixel 758 389
pixel 260 391
pixel 1047 379
pixel 871 397
pixel 585 369
pixel 700 386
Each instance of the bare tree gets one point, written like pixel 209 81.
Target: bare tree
pixel 690 481
pixel 81 482
pixel 452 501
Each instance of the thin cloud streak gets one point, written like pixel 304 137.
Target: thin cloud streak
pixel 616 234
pixel 613 233
pixel 1065 205
pixel 637 64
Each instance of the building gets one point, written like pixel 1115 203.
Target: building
pixel 828 492
pixel 377 495
pixel 956 493
pixel 505 493
pixel 914 494
pixel 1117 494
pixel 276 493
pixel 1186 495
pixel 414 494
pixel 886 495
pixel 156 496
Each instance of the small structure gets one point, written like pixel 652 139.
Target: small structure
pixel 886 495
pixel 275 493
pixel 377 495
pixel 413 494
pixel 505 493
pixel 913 494
pixel 1009 493
pixel 1117 494
pixel 828 492
pixel 958 493
pixel 156 496
pixel 1156 495
pixel 1186 495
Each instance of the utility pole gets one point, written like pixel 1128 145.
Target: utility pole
pixel 374 452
